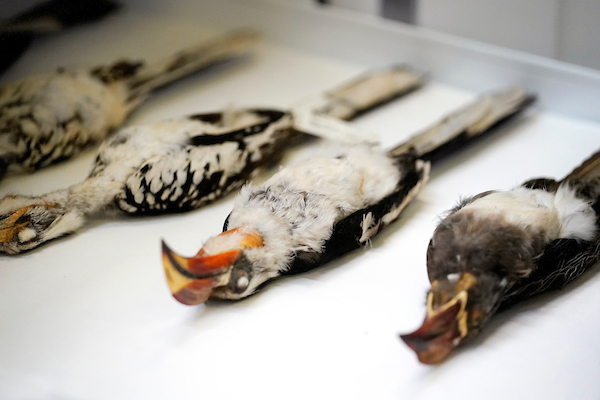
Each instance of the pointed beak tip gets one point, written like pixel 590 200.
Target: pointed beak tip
pixel 436 338
pixel 411 340
pixel 427 353
pixel 165 248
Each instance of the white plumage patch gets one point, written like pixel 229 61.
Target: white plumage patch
pixel 556 215
pixel 369 227
pixel 296 209
pixel 578 219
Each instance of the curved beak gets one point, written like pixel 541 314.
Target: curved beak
pixel 192 280
pixel 442 330
pixel 11 225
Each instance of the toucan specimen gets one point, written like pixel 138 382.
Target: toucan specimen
pixel 50 117
pixel 305 216
pixel 183 164
pixel 500 247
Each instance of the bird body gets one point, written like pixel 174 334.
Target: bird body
pixel 294 214
pixel 50 117
pixel 295 211
pixel 500 247
pixel 181 164
pixel 151 169
pixel 310 214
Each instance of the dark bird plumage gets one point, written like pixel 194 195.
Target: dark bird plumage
pixel 183 164
pixel 307 215
pixel 498 248
pixel 50 117
pixel 17 33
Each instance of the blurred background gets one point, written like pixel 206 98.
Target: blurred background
pixel 560 29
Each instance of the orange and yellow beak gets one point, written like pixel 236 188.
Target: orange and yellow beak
pixel 10 225
pixel 192 280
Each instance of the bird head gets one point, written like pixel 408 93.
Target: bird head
pixel 467 262
pixel 220 269
pixel 27 222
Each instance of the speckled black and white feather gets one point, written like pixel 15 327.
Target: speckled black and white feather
pixel 50 117
pixel 171 166
pixel 182 164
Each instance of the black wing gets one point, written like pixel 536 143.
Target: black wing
pixel 562 261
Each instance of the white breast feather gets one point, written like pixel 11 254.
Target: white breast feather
pixel 310 199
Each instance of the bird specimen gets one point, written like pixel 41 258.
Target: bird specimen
pixel 50 117
pixel 183 164
pixel 51 16
pixel 500 247
pixel 307 215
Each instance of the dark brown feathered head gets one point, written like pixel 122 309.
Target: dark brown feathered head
pixel 471 263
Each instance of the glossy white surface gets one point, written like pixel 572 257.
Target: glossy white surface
pixel 89 316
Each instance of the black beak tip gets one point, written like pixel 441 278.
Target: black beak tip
pixel 165 248
pixel 415 342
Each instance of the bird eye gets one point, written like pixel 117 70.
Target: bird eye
pixel 242 283
pixel 240 275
